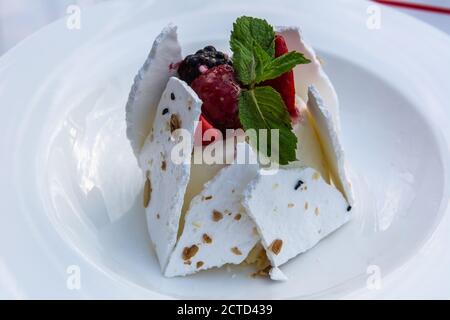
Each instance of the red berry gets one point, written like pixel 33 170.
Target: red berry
pixel 280 45
pixel 284 84
pixel 205 126
pixel 219 91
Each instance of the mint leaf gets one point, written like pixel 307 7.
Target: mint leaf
pixel 282 64
pixel 262 59
pixel 250 33
pixel 247 30
pixel 245 65
pixel 263 108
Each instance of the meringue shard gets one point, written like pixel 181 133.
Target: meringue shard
pixel 311 73
pixel 149 84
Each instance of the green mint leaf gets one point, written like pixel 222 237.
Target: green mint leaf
pixel 244 65
pixel 263 108
pixel 250 33
pixel 247 30
pixel 262 59
pixel 276 67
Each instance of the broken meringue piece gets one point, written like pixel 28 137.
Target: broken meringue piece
pixel 179 108
pixel 331 144
pixel 277 275
pixel 217 223
pixel 311 73
pixel 296 215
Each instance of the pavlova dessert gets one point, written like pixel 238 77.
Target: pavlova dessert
pixel 240 151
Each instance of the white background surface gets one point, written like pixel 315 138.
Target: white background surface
pixel 19 18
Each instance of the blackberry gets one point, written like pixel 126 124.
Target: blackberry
pixel 208 57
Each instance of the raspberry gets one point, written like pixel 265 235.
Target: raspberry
pixel 193 65
pixel 284 84
pixel 219 91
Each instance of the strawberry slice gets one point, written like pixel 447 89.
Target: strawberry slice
pixel 284 84
pixel 205 125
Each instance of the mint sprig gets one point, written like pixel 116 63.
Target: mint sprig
pixel 262 107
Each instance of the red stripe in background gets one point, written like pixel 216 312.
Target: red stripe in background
pixel 416 6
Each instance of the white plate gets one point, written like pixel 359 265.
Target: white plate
pixel 70 187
